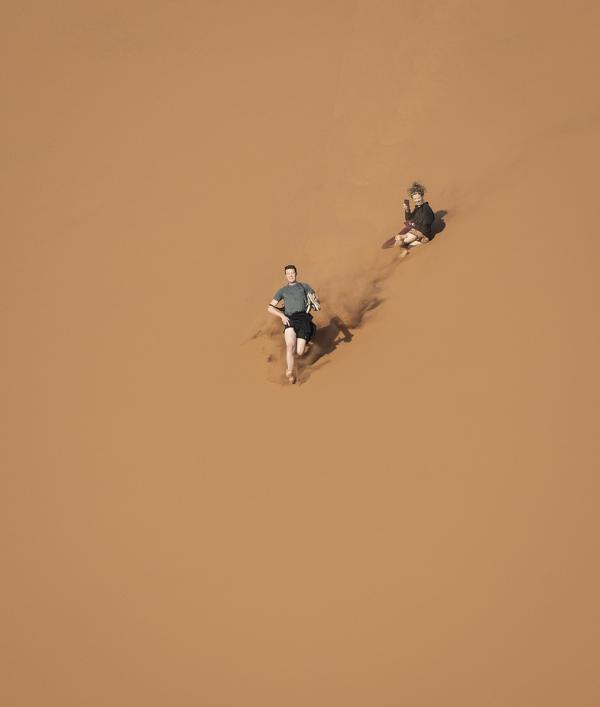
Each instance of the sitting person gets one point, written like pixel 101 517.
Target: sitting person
pixel 417 228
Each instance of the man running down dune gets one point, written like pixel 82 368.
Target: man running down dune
pixel 298 326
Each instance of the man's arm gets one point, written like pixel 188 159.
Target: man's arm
pixel 272 309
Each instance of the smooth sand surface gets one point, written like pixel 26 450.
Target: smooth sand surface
pixel 416 521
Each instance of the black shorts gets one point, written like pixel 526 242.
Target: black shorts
pixel 302 323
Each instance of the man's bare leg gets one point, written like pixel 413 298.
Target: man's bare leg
pixel 302 354
pixel 301 347
pixel 290 347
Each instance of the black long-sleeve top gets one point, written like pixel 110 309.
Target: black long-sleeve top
pixel 422 217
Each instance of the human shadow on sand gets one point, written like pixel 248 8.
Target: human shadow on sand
pixel 325 342
pixel 328 338
pixel 438 224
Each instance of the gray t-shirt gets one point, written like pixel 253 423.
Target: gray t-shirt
pixel 294 297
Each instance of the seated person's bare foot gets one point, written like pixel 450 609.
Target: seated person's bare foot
pixel 290 376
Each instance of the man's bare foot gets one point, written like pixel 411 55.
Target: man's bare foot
pixel 290 376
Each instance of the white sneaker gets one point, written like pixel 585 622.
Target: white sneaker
pixel 313 302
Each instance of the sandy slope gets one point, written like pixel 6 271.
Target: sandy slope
pixel 176 533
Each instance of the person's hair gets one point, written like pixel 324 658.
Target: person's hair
pixel 290 267
pixel 416 188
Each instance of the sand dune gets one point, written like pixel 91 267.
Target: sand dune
pixel 414 524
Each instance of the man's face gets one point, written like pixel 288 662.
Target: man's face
pixel 290 275
pixel 417 198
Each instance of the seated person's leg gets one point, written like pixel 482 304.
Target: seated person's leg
pixel 416 237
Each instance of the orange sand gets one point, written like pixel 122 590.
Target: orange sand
pixel 432 540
